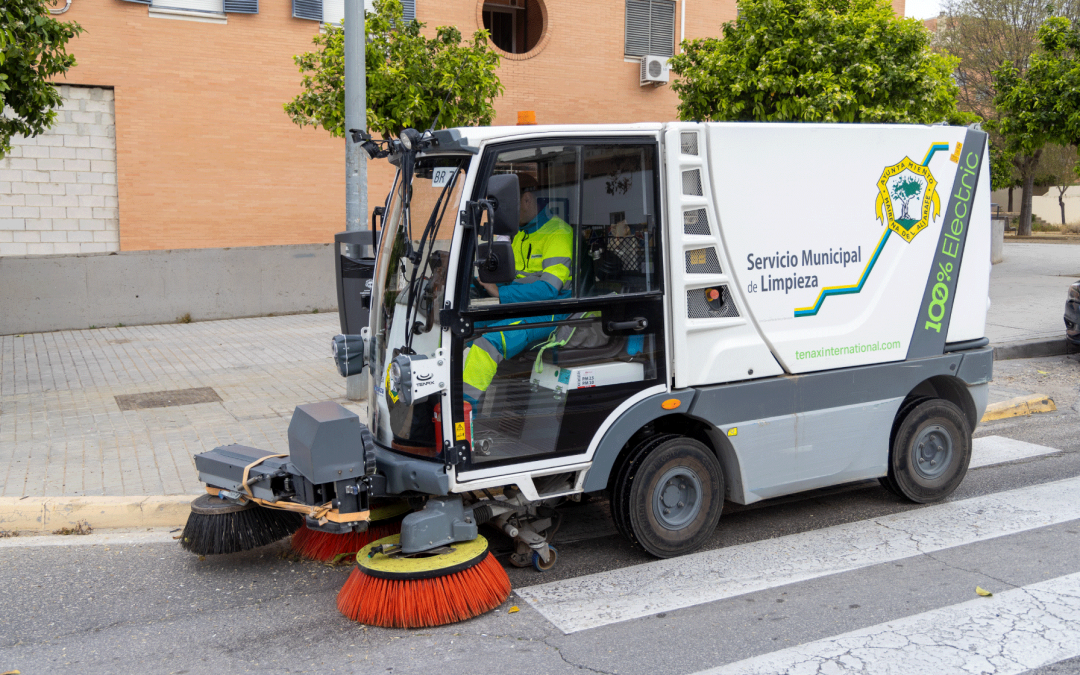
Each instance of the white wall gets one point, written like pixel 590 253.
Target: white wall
pixel 58 190
pixel 1045 206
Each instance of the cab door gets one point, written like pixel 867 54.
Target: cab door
pixel 563 361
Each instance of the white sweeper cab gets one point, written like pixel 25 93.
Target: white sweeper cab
pixel 672 314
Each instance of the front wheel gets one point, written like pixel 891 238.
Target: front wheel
pixel 675 496
pixel 931 451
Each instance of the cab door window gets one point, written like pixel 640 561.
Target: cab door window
pixel 587 223
pixel 580 328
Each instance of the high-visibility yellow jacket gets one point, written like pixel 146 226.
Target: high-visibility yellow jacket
pixel 543 255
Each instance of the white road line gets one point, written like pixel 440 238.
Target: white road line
pixel 990 450
pixel 1012 632
pixel 665 585
pixel 155 536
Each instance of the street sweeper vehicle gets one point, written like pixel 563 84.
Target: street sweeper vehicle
pixel 673 315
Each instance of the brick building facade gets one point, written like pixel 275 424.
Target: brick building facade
pixel 206 157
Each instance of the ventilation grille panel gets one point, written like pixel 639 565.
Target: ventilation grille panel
pixel 691 182
pixel 700 303
pixel 695 222
pixel 702 261
pixel 689 142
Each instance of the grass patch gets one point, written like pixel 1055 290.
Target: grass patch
pixel 81 527
pixel 1042 227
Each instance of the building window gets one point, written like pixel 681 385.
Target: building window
pixel 333 11
pixel 211 7
pixel 515 26
pixel 650 28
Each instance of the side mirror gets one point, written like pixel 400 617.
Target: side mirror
pixel 496 262
pixel 348 354
pixel 504 192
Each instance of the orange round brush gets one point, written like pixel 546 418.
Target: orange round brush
pixel 420 592
pixel 325 546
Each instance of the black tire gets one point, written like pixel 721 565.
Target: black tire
pixel 931 450
pixel 905 409
pixel 675 495
pixel 620 492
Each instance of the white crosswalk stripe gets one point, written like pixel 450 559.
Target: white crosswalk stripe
pixel 619 595
pixel 990 450
pixel 1010 633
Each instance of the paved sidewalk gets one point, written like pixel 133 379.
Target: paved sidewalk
pixel 1028 289
pixel 63 433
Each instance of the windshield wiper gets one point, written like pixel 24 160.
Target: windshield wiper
pixel 437 214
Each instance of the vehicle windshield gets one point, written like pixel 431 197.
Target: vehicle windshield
pixel 407 293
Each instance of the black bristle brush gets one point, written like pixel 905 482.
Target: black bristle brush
pixel 216 526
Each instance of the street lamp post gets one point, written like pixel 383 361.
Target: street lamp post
pixel 355 159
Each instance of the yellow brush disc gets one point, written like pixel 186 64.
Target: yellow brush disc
pixel 460 556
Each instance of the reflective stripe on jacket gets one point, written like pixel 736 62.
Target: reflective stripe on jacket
pixel 543 254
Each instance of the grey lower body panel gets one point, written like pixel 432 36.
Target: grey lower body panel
pixel 808 450
pixel 980 394
pixel 848 410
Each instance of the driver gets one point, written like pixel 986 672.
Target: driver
pixel 543 252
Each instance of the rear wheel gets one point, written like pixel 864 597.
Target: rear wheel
pixel 674 497
pixel 931 451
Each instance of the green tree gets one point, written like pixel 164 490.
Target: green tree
pixel 1057 169
pixel 1040 105
pixel 986 34
pixel 817 61
pixel 33 48
pixel 904 190
pixel 409 77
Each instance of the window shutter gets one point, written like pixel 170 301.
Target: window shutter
pixel 307 9
pixel 637 27
pixel 241 6
pixel 662 31
pixel 410 9
pixel 650 28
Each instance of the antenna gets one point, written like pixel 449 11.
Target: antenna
pixel 451 91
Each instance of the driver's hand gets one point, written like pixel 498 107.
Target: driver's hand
pixel 492 289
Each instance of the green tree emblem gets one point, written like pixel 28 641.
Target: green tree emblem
pixel 905 189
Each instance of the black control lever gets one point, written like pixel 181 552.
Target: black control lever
pixel 639 323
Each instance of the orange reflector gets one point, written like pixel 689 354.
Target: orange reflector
pixel 671 404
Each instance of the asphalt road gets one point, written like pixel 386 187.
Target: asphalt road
pixel 89 607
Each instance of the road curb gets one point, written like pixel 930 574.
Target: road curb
pixel 1029 349
pixel 47 514
pixel 1019 407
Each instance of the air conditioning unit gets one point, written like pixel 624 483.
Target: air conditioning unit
pixel 654 70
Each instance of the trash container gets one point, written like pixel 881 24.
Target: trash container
pixel 354 275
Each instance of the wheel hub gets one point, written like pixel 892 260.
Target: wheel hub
pixel 677 498
pixel 933 451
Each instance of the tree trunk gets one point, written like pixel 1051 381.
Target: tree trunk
pixel 1024 229
pixel 1010 201
pixel 1026 165
pixel 1061 202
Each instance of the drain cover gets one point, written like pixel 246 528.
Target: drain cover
pixel 165 399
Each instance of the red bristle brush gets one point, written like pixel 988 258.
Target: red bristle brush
pixel 400 592
pixel 325 546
